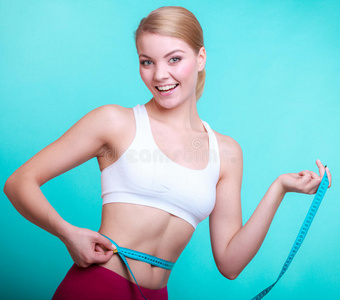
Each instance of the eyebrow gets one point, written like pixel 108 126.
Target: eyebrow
pixel 166 55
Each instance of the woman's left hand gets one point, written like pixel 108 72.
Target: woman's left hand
pixel 306 182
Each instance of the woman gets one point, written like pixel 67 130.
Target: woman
pixel 163 171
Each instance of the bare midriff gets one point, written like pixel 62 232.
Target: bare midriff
pixel 145 229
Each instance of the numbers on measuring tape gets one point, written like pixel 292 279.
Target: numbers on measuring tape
pixel 302 233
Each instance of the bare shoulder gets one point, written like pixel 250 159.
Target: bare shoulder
pixel 111 118
pixel 112 113
pixel 228 145
pixel 231 156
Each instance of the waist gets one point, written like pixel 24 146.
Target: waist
pixel 140 256
pixel 146 230
pixel 145 270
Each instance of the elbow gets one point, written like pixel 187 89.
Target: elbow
pixel 9 185
pixel 12 185
pixel 230 276
pixel 228 273
pixel 17 183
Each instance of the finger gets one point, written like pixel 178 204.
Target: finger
pixel 306 178
pixel 324 169
pixel 329 176
pixel 313 185
pixel 321 167
pixel 99 249
pixel 319 163
pixel 100 258
pixel 314 175
pixel 102 240
pixel 302 173
pixel 306 173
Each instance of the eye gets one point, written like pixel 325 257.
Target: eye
pixel 174 59
pixel 146 62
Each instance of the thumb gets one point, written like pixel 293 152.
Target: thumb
pixel 101 258
pixel 102 240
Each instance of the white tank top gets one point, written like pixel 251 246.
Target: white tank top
pixel 144 175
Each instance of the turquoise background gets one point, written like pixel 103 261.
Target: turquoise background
pixel 273 84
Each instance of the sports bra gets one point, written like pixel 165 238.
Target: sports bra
pixel 144 175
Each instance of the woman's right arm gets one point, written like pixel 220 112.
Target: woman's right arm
pixel 83 141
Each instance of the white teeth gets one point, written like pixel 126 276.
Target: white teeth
pixel 166 87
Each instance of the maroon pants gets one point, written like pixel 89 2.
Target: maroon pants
pixel 96 282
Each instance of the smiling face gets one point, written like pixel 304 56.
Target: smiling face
pixel 169 68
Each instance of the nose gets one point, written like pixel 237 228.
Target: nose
pixel 160 72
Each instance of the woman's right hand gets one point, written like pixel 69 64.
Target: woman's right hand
pixel 87 247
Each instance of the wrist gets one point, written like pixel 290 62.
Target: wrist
pixel 280 186
pixel 64 230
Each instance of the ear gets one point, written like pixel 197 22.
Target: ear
pixel 202 57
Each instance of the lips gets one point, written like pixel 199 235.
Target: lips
pixel 166 88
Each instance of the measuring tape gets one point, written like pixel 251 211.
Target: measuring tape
pixel 140 256
pixel 302 233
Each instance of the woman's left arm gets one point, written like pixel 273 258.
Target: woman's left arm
pixel 235 245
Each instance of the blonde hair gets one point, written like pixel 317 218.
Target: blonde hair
pixel 178 22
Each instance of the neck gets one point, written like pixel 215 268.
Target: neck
pixel 181 116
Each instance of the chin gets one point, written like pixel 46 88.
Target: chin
pixel 170 102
